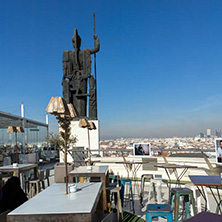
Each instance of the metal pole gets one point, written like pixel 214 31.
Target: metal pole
pixel 66 168
pixel 94 32
pixel 16 147
pixel 23 126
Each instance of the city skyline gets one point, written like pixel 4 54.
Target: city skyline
pixel 159 66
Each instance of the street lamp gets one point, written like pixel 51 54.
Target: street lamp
pixel 64 113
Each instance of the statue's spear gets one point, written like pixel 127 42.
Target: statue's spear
pixel 94 32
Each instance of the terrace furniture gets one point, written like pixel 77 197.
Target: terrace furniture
pixel 116 190
pixel 187 194
pixel 103 217
pixel 20 168
pixel 174 168
pixel 211 182
pixel 3 216
pixel 205 217
pixel 123 183
pixel 53 204
pixel 158 182
pixel 36 183
pixel 197 195
pixel 214 171
pixel 46 177
pixel 133 167
pixel 102 172
pixel 145 177
pixel 159 210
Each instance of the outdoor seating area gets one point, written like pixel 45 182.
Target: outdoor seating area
pixel 98 192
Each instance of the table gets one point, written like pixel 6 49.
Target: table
pixel 53 204
pixel 133 166
pixel 97 171
pixel 205 217
pixel 174 168
pixel 20 168
pixel 211 182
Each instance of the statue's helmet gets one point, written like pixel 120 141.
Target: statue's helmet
pixel 76 39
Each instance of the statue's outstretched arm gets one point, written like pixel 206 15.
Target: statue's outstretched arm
pixel 97 45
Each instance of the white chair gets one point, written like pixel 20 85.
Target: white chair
pixel 157 181
pixel 197 196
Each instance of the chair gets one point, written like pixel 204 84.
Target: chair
pixel 3 216
pixel 47 175
pixel 197 195
pixel 212 170
pixel 158 183
pixel 176 193
pixel 123 183
pixel 103 217
pixel 36 183
pixel 116 190
pixel 159 210
pixel 145 177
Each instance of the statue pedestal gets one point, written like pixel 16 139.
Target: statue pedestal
pixel 82 138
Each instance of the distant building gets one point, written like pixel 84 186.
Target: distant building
pixel 201 135
pixel 218 133
pixel 35 132
pixel 208 133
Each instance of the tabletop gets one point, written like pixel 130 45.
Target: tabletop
pixel 54 201
pixel 20 166
pixel 175 166
pixel 206 180
pixel 96 170
pixel 133 162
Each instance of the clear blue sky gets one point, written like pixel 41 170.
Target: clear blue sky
pixel 159 68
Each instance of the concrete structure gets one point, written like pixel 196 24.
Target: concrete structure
pixel 83 139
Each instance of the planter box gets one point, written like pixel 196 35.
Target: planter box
pixel 59 169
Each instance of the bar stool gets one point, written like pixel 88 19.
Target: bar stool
pixel 159 210
pixel 144 177
pixel 122 193
pixel 197 195
pixel 116 190
pixel 47 174
pixel 158 183
pixel 176 193
pixel 36 182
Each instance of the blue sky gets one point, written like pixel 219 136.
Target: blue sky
pixel 159 67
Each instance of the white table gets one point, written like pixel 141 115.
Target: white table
pixel 20 168
pixel 101 172
pixel 53 204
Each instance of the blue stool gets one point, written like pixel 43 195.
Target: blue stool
pixel 159 210
pixel 188 201
pixel 122 192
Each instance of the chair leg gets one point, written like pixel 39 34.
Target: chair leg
pixel 142 191
pixel 205 193
pixel 193 204
pixel 119 203
pixel 132 198
pixel 158 193
pixel 176 208
pixel 149 193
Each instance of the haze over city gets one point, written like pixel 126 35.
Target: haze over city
pixel 159 66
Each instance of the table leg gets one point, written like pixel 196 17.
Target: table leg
pixel 218 202
pixel 35 172
pixel 103 180
pixel 16 173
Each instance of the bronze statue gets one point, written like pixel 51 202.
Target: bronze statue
pixel 76 72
